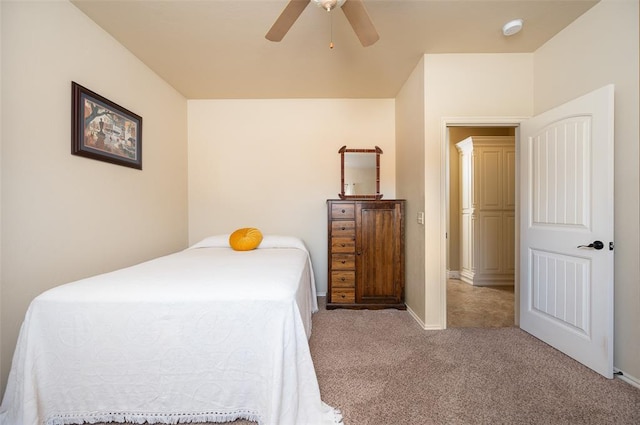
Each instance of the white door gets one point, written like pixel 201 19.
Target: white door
pixel 566 188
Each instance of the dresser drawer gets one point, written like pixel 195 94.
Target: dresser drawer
pixel 343 262
pixel 339 245
pixel 343 228
pixel 343 279
pixel 343 295
pixel 343 211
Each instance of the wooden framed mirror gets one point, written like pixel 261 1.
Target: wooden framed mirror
pixel 360 173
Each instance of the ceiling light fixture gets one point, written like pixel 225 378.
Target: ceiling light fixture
pixel 512 27
pixel 329 5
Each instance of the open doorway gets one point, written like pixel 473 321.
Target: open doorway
pixel 489 301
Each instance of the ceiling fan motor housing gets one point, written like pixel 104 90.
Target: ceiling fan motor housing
pixel 329 5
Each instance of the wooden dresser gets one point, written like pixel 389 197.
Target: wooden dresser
pixel 366 254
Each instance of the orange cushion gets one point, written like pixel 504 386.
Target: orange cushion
pixel 245 239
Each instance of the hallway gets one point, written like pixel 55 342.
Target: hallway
pixel 471 306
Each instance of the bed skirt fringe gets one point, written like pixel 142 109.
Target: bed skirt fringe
pixel 173 419
pixel 154 418
pixel 334 414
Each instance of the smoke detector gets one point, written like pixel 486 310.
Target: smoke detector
pixel 512 27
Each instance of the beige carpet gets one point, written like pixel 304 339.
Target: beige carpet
pixel 381 367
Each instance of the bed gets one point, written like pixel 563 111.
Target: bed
pixel 207 334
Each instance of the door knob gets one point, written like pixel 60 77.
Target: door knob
pixel 595 245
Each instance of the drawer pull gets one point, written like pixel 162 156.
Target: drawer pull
pixel 343 261
pixel 343 295
pixel 342 279
pixel 344 244
pixel 343 211
pixel 343 227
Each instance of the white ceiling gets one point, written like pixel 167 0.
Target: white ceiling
pixel 209 49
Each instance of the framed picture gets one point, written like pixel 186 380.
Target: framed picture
pixel 103 130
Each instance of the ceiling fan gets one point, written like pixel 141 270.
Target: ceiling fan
pixel 354 10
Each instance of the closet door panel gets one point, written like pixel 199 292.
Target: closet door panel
pixel 509 179
pixel 489 182
pixel 509 231
pixel 490 247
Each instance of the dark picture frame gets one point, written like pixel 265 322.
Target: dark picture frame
pixel 104 130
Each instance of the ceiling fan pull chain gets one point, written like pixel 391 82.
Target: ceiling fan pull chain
pixel 331 30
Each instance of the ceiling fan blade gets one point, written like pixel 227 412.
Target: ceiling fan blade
pixel 359 19
pixel 281 26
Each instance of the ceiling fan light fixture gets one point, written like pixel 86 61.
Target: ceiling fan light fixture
pixel 512 27
pixel 328 5
pixel 354 11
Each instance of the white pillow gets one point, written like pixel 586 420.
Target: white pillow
pixel 268 241
pixel 217 241
pixel 276 241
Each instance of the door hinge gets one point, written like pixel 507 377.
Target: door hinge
pixel 610 246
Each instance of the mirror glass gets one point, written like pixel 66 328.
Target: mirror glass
pixel 360 173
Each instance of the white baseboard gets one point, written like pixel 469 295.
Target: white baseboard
pixel 321 294
pixel 421 323
pixel 631 380
pixel 453 274
pixel 416 318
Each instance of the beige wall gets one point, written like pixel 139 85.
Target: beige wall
pixel 410 115
pixel 65 217
pixel 490 87
pixel 601 47
pixel 272 164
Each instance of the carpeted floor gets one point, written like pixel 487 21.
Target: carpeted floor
pixel 381 367
pixel 471 306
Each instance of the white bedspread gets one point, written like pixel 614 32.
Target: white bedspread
pixel 204 335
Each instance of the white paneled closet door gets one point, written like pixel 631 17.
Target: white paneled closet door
pixel 488 206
